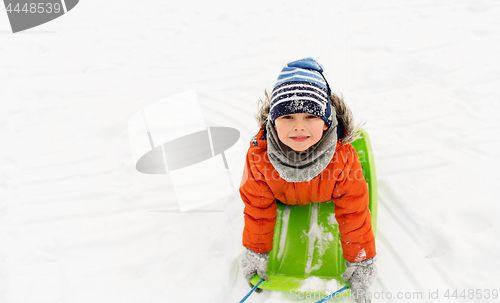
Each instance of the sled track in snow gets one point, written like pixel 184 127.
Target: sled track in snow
pixel 397 256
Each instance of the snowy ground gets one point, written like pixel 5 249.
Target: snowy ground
pixel 79 224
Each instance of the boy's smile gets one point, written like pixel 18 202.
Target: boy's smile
pixel 300 131
pixel 300 138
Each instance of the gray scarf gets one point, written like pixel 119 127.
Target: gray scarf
pixel 301 166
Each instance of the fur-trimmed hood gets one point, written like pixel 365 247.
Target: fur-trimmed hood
pixel 344 117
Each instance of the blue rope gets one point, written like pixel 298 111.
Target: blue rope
pixel 251 291
pixel 331 296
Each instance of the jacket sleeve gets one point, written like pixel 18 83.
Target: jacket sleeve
pixel 260 207
pixel 351 200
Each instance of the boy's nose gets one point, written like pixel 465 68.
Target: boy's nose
pixel 299 125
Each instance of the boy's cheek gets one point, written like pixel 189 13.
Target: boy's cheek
pixel 280 130
pixel 316 129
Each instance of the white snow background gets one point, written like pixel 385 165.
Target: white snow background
pixel 78 223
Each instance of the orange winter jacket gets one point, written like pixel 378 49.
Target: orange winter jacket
pixel 341 182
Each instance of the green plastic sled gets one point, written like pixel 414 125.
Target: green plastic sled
pixel 306 239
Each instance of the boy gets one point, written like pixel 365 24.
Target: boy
pixel 302 154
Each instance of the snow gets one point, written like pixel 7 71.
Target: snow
pixel 78 223
pixel 316 284
pixel 318 238
pixel 361 255
pixel 284 230
pixel 332 220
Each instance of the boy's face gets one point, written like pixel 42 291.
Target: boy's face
pixel 299 131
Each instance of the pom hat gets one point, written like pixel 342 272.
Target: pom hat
pixel 301 88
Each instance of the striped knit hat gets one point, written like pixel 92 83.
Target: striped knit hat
pixel 301 88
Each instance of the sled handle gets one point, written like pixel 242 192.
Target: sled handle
pixel 251 291
pixel 331 296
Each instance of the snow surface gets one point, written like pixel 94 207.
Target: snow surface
pixel 316 284
pixel 79 224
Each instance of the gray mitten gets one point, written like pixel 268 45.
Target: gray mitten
pixel 360 276
pixel 254 263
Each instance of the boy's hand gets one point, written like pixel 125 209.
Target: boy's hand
pixel 360 276
pixel 254 263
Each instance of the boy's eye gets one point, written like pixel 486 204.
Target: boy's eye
pixel 286 117
pixel 312 117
